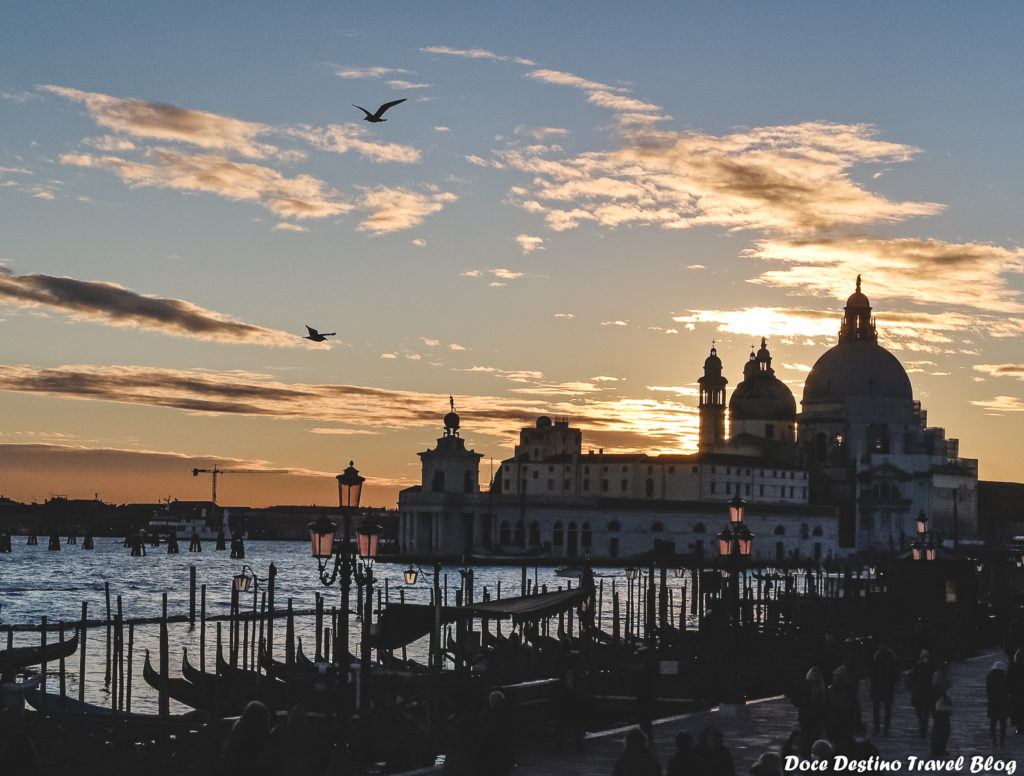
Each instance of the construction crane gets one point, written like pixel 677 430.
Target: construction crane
pixel 215 471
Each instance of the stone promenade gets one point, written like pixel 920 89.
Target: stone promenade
pixel 767 724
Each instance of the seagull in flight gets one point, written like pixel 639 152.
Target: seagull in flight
pixel 376 117
pixel 317 336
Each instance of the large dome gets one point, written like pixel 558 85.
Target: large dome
pixel 857 369
pixel 762 397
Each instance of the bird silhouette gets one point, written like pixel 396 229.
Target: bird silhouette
pixel 376 117
pixel 317 336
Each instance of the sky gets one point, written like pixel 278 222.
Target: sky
pixel 573 203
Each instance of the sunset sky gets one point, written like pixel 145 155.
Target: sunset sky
pixel 575 200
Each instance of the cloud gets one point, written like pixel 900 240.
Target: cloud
pixel 564 315
pixel 540 133
pixel 368 72
pixel 695 266
pixel 1001 370
pixel 118 306
pixel 499 272
pixel 407 85
pixel 476 53
pixel 455 346
pixel 790 179
pixel 342 138
pixel 286 227
pixel 1001 404
pixel 629 109
pixel 968 275
pixel 529 243
pixel 430 342
pixel 392 209
pixel 169 122
pixel 300 197
pixel 615 323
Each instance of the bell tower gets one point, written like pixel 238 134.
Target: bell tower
pixel 712 403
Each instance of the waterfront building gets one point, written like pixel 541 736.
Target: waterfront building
pixel 850 472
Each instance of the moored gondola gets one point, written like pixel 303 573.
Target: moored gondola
pixel 20 657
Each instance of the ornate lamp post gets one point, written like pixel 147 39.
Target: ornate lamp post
pixel 368 535
pixel 923 548
pixel 735 542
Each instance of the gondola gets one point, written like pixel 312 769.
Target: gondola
pixel 56 705
pixel 188 693
pixel 20 657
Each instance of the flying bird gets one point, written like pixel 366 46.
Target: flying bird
pixel 317 336
pixel 376 117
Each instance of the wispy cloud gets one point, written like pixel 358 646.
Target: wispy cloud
pixel 115 305
pixel 284 226
pixel 615 323
pixel 612 97
pixel 403 85
pixel 476 53
pixel 300 197
pixel 392 209
pixel 1001 370
pixel 965 275
pixel 169 122
pixel 650 424
pixel 368 72
pixel 342 138
pixel 1000 405
pixel 793 179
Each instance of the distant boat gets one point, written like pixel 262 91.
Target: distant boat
pixel 569 571
pixel 70 707
pixel 524 556
pixel 184 528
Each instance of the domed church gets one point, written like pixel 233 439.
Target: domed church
pixel 869 449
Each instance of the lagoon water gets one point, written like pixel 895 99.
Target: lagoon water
pixel 37 582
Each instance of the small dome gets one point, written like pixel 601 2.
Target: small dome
pixel 451 421
pixel 859 368
pixel 543 422
pixel 762 397
pixel 713 361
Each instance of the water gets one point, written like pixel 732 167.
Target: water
pixel 37 582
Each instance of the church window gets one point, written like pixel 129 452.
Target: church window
pixel 438 483
pixel 694 469
pixel 671 469
pixel 657 527
pixel 551 468
pixel 760 490
pixel 556 534
pixel 624 469
pixel 804 493
pixel 585 535
pixel 508 484
pixel 728 470
pixel 536 452
pixel 780 530
pixel 565 485
pixel 746 489
pixel 624 486
pixel 699 528
pixel 586 470
pixel 519 534
pixel 650 470
pixel 791 491
pixel 817 530
pixel 604 485
pixel 614 526
pixel 649 488
pixel 805 530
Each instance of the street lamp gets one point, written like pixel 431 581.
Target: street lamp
pixel 735 543
pixel 322 534
pixel 368 535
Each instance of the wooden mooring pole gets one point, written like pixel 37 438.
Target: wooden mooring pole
pixel 82 629
pixel 164 702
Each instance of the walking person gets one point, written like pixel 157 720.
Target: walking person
pixel 636 759
pixel 941 726
pixel 997 694
pixel 883 678
pixel 1015 678
pixel 811 704
pixel 922 696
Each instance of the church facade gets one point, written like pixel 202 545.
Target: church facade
pixel 851 471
